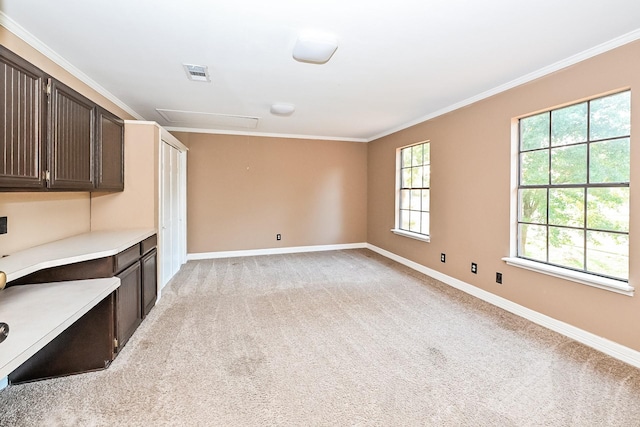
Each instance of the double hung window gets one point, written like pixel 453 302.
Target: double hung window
pixel 413 197
pixel 573 187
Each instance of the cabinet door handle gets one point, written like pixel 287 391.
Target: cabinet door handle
pixel 4 331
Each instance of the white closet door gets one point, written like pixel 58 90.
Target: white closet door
pixel 166 244
pixel 173 211
pixel 182 205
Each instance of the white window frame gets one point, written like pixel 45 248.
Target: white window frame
pixel 617 286
pixel 396 229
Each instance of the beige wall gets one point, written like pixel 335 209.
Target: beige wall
pixel 471 170
pixel 136 206
pixel 242 191
pixel 36 218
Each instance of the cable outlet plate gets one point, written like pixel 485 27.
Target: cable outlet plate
pixel 278 236
pixel 443 258
pixel 499 278
pixel 474 268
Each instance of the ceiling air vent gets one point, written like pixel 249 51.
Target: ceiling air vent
pixel 197 73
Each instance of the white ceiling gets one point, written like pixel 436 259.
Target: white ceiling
pixel 398 62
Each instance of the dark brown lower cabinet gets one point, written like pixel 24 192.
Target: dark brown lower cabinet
pixel 95 339
pixel 149 281
pixel 87 345
pixel 128 304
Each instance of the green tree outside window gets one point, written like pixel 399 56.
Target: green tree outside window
pixel 573 190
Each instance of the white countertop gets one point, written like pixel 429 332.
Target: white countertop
pixel 36 314
pixel 83 247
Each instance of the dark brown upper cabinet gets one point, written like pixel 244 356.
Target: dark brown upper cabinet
pixel 53 138
pixel 23 115
pixel 71 139
pixel 109 151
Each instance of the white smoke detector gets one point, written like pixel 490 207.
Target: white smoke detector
pixel 281 109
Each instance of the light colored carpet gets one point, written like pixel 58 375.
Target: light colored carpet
pixel 333 338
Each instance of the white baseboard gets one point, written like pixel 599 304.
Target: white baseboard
pixel 274 251
pixel 618 351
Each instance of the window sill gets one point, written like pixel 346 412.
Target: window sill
pixel 612 285
pixel 421 237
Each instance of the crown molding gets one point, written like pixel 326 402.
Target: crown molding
pixel 265 134
pixel 19 31
pixel 164 133
pixel 572 60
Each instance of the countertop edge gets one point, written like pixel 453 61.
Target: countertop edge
pixel 35 259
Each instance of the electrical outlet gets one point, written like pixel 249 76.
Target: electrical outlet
pixel 474 268
pixel 278 237
pixel 443 258
pixel 3 225
pixel 499 278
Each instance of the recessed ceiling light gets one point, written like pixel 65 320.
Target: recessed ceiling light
pixel 315 47
pixel 197 73
pixel 280 109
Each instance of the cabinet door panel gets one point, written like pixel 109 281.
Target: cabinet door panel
pixel 22 113
pixel 128 304
pixel 71 133
pixel 149 281
pixel 109 151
